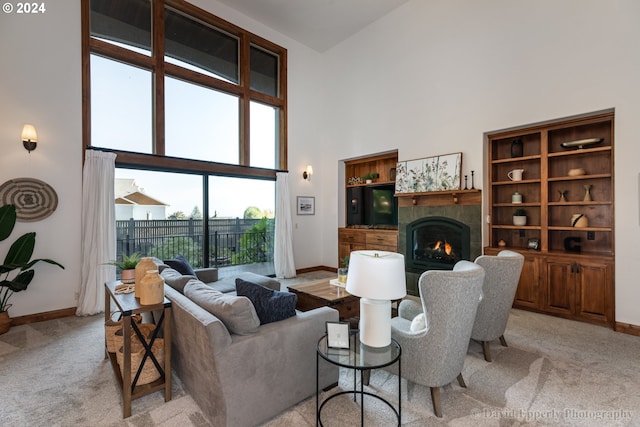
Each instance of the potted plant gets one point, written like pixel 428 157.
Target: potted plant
pixel 368 178
pixel 18 258
pixel 520 217
pixel 127 267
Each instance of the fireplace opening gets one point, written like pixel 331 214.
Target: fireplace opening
pixel 436 243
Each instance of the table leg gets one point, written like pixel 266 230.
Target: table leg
pixel 107 313
pixel 126 374
pixel 167 354
pixel 317 387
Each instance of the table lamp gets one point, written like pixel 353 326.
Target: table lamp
pixel 377 277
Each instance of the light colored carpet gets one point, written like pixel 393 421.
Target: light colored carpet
pixel 555 372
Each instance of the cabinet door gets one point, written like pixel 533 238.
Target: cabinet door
pixel 594 283
pixel 528 292
pixel 559 287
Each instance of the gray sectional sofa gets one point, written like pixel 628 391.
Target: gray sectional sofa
pixel 243 380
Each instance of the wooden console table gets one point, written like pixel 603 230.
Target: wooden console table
pixel 128 306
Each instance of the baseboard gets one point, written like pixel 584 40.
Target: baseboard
pixel 41 317
pixel 627 328
pixel 316 268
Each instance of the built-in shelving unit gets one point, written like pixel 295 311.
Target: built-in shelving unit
pixel 571 271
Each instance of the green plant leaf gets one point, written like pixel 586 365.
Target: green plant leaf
pixel 20 282
pixel 21 250
pixel 7 220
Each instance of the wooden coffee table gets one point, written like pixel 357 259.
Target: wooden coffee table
pixel 321 293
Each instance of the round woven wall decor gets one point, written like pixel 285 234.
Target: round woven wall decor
pixel 34 200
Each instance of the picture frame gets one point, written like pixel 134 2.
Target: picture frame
pixel 436 173
pixel 338 334
pixel 305 205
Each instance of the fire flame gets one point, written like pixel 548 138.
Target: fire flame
pixel 447 247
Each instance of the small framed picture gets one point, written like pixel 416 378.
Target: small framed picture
pixel 306 205
pixel 338 334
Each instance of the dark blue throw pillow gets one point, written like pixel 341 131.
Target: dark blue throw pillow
pixel 270 305
pixel 181 265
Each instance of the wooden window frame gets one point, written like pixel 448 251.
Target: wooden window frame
pixel 159 69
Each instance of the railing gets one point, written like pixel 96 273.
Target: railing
pixel 231 241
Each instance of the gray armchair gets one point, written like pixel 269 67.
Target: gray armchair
pixel 434 356
pixel 502 273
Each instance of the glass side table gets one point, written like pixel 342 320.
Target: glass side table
pixel 360 358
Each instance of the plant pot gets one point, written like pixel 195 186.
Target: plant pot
pixel 519 220
pixel 128 276
pixel 5 322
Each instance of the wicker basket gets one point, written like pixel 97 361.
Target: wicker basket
pixel 149 372
pixel 113 332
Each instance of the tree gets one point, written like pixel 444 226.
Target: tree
pixel 252 213
pixel 195 213
pixel 177 215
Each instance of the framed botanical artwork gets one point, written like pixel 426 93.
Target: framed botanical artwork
pixel 306 205
pixel 437 173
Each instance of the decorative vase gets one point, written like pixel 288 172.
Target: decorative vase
pixel 145 264
pixel 5 322
pixel 562 195
pixel 517 148
pixel 516 198
pixel 151 288
pixel 579 221
pixel 587 193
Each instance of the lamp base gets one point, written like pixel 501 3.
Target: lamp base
pixel 375 322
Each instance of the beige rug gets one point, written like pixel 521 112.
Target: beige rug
pixel 555 372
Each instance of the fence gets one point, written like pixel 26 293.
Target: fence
pixel 231 241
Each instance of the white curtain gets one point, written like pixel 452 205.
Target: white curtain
pixel 98 230
pixel 283 245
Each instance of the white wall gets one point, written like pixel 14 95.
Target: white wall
pixel 40 83
pixel 433 76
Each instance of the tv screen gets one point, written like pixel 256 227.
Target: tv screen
pixel 382 207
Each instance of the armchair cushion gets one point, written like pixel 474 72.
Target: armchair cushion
pixel 181 264
pixel 236 312
pixel 271 305
pixel 419 323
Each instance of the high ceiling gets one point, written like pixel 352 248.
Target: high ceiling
pixel 318 24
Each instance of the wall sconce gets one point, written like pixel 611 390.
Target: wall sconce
pixel 29 137
pixel 306 175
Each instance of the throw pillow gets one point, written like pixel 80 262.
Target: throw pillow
pixel 181 265
pixel 176 280
pixel 270 305
pixel 237 313
pixel 419 323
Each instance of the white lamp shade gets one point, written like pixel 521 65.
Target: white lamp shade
pixel 376 275
pixel 29 133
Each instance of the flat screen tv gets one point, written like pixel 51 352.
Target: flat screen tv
pixel 373 205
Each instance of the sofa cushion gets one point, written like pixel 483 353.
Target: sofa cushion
pixel 270 305
pixel 180 264
pixel 236 312
pixel 176 280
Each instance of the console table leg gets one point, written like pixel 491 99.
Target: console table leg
pixel 126 374
pixel 167 354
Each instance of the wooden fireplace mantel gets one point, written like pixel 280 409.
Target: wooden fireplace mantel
pixel 440 198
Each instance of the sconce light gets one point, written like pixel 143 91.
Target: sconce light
pixel 307 173
pixel 29 137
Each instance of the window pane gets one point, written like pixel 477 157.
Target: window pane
pixel 199 47
pixel 126 23
pixel 242 228
pixel 201 123
pixel 264 137
pixel 264 71
pixel 120 106
pixel 159 214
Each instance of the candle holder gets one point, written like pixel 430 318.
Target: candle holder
pixel 465 183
